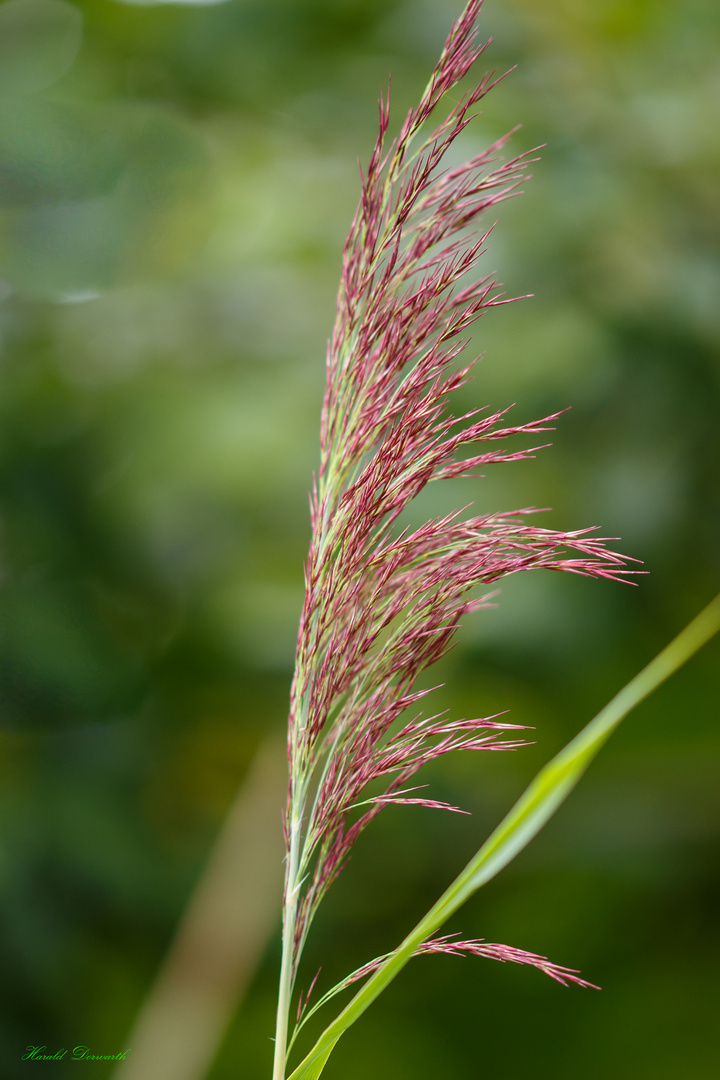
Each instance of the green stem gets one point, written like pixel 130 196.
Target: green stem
pixel 288 947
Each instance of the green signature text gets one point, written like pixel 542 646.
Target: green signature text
pixel 78 1053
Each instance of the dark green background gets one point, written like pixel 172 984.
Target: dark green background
pixel 176 185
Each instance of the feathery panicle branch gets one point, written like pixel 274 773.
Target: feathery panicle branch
pixel 450 946
pixel 382 605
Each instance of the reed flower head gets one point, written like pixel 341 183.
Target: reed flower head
pixel 383 603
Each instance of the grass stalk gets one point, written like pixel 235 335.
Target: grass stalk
pixel 292 886
pixel 222 935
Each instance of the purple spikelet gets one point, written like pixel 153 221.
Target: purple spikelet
pixel 381 605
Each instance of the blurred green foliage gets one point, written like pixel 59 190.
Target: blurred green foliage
pixel 176 182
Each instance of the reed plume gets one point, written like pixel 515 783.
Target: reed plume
pixel 383 602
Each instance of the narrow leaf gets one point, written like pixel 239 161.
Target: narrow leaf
pixel 547 791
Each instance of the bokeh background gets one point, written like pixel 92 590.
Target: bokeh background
pixel 176 182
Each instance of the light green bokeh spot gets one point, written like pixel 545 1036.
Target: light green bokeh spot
pixel 39 41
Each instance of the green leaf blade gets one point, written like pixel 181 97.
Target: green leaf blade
pixel 535 807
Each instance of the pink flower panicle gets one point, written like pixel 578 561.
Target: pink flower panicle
pixel 381 605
